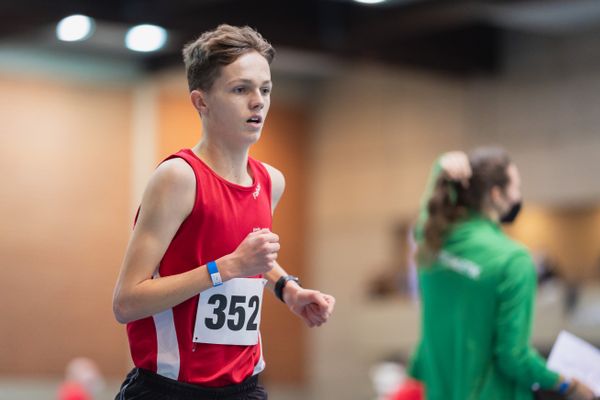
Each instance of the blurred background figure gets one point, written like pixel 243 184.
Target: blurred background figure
pixel 83 380
pixel 387 376
pixel 478 286
pixel 391 382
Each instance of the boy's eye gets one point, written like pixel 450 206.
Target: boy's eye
pixel 239 89
pixel 266 90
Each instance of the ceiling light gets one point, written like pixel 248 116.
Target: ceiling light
pixel 369 1
pixel 145 38
pixel 74 28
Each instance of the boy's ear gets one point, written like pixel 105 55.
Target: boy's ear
pixel 198 98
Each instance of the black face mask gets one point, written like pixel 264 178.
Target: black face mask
pixel 511 214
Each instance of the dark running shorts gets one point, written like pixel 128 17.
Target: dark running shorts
pixel 141 384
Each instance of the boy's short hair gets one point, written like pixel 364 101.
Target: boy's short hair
pixel 214 49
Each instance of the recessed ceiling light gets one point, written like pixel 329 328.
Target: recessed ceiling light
pixel 145 38
pixel 74 28
pixel 370 1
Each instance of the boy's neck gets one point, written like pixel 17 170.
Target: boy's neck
pixel 230 165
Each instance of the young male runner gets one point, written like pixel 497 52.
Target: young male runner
pixel 190 287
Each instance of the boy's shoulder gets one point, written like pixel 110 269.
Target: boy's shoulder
pixel 173 174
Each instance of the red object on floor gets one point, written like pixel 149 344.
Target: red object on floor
pixel 72 391
pixel 409 390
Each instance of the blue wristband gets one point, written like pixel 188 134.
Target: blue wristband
pixel 213 271
pixel 563 388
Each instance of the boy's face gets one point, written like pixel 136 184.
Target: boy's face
pixel 238 101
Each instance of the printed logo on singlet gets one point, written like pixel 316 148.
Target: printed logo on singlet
pixel 256 192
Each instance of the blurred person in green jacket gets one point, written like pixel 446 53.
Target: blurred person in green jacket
pixel 477 287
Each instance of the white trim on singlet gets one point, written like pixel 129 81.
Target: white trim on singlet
pixel 167 354
pixel 260 365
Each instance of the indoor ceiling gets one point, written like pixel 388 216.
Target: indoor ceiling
pixel 452 36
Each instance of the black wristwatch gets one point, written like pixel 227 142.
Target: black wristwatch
pixel 281 282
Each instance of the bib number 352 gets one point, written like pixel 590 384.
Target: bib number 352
pixel 230 313
pixel 235 314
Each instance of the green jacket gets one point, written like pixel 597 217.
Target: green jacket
pixel 477 306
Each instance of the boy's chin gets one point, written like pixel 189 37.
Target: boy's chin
pixel 252 137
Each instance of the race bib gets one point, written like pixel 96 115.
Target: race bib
pixel 230 313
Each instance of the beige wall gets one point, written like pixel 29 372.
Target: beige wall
pixel 570 237
pixel 64 157
pixel 544 109
pixel 178 123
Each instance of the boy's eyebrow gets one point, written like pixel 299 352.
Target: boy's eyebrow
pixel 248 81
